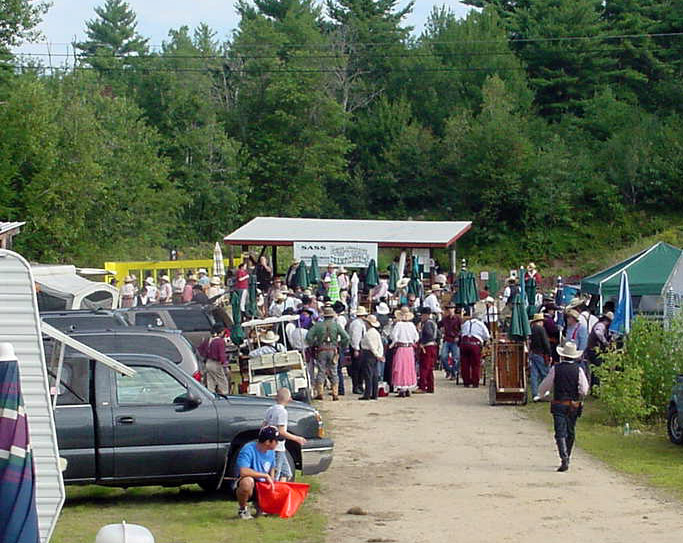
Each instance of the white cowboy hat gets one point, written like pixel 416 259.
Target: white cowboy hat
pixel 342 269
pixel 436 288
pixel 382 309
pixel 165 278
pixel 270 337
pixel 192 278
pixel 489 300
pixel 128 279
pixel 441 279
pixel 203 270
pixel 569 350
pixel 149 281
pixel 215 280
pixel 361 311
pixel 372 321
pixel 403 282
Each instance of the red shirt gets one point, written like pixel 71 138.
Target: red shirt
pixel 242 280
pixel 451 327
pixel 214 349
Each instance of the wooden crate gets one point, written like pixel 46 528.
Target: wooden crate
pixel 508 383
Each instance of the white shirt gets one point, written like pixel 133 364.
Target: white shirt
pixel 296 336
pixel 276 415
pixel 151 294
pixel 127 290
pixel 343 281
pixel 213 291
pixel 491 314
pixel 292 302
pixel 432 302
pixel 372 342
pixel 356 333
pixel 276 309
pixel 475 328
pixel 589 319
pixel 404 332
pixel 342 321
pixel 165 292
pixel 178 284
pixel 547 383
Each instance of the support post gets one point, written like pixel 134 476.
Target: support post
pixel 454 261
pixel 274 261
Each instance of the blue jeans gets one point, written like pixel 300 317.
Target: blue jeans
pixel 450 347
pixel 538 371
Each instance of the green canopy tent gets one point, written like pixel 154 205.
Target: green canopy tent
pixel 301 276
pixel 236 332
pixel 314 276
pixel 371 276
pixel 651 273
pixel 393 276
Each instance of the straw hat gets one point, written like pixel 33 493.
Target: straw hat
pixel 569 350
pixel 149 281
pixel 203 270
pixel 573 313
pixel 489 300
pixel 576 302
pixel 404 314
pixel 436 288
pixel 166 278
pixel 361 311
pixel 128 279
pixel 531 266
pixel 192 278
pixel 342 269
pixel 270 337
pixel 372 321
pixel 403 282
pixel 382 309
pixel 537 317
pixel 329 312
pixel 215 280
pixel 280 297
pixel 441 279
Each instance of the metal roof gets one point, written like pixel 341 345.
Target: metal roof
pixel 9 226
pixel 286 231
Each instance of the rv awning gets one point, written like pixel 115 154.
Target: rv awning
pixel 286 231
pixel 88 351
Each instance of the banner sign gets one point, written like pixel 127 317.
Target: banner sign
pixel 351 255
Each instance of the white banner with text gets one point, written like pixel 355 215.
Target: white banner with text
pixel 351 255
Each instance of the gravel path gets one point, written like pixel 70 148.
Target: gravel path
pixel 447 467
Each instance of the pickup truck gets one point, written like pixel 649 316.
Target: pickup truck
pixel 674 420
pixel 162 427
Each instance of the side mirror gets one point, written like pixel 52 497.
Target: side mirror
pixel 188 400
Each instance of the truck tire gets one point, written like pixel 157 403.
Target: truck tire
pixel 673 427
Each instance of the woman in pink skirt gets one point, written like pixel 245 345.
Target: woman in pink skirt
pixel 404 336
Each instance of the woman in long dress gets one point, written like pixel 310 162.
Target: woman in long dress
pixel 404 337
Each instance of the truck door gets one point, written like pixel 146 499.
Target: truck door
pixel 155 438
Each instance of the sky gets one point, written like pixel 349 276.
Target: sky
pixel 65 21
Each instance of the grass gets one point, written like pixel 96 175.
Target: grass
pixel 648 456
pixel 181 515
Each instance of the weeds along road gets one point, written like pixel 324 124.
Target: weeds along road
pixel 448 467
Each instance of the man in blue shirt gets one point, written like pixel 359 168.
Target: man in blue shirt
pixel 256 462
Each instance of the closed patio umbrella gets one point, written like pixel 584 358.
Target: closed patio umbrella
pixel 301 276
pixel 624 310
pixel 466 294
pixel 218 264
pixel 236 333
pixel 519 322
pixel 251 308
pixel 371 276
pixel 414 285
pixel 530 290
pixel 494 285
pixel 393 276
pixel 314 276
pixel 18 514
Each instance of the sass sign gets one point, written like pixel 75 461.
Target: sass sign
pixel 350 255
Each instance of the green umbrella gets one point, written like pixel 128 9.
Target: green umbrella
pixel 519 322
pixel 393 277
pixel 314 276
pixel 467 289
pixel 301 276
pixel 414 285
pixel 371 277
pixel 251 309
pixel 236 333
pixel 493 284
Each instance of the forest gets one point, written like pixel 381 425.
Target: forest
pixel 553 125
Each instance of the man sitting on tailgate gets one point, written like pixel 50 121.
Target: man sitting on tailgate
pixel 256 462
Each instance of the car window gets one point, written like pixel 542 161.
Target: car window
pixel 148 319
pixel 74 386
pixel 83 323
pixel 133 344
pixel 191 321
pixel 149 386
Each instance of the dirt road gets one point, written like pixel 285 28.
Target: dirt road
pixel 447 467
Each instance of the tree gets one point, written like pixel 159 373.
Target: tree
pixel 112 37
pixel 18 18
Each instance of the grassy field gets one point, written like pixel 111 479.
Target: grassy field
pixel 648 455
pixel 181 515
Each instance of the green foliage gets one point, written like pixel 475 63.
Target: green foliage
pixel 636 381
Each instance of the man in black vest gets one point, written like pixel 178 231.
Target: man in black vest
pixel 568 382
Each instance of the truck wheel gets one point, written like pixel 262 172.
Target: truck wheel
pixel 673 426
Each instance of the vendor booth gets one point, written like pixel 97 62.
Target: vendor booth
pixel 654 275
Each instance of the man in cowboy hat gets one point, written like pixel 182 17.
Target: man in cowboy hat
pixel 165 290
pixel 178 285
pixel 539 354
pixel 432 301
pixel 269 345
pixel 451 325
pixel 188 290
pixel 576 329
pixel 599 340
pixel 372 352
pixel 278 306
pixel 152 291
pixel 203 277
pixel 532 273
pixel 473 336
pixel 569 385
pixel 325 338
pixel 356 333
pixel 213 350
pixel 127 292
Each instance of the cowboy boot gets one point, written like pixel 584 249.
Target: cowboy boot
pixel 318 388
pixel 562 450
pixel 570 446
pixel 335 393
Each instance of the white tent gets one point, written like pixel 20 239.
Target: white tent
pixel 62 288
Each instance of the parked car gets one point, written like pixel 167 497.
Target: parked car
pixel 194 320
pixel 168 344
pixel 675 418
pixel 161 427
pixel 83 319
